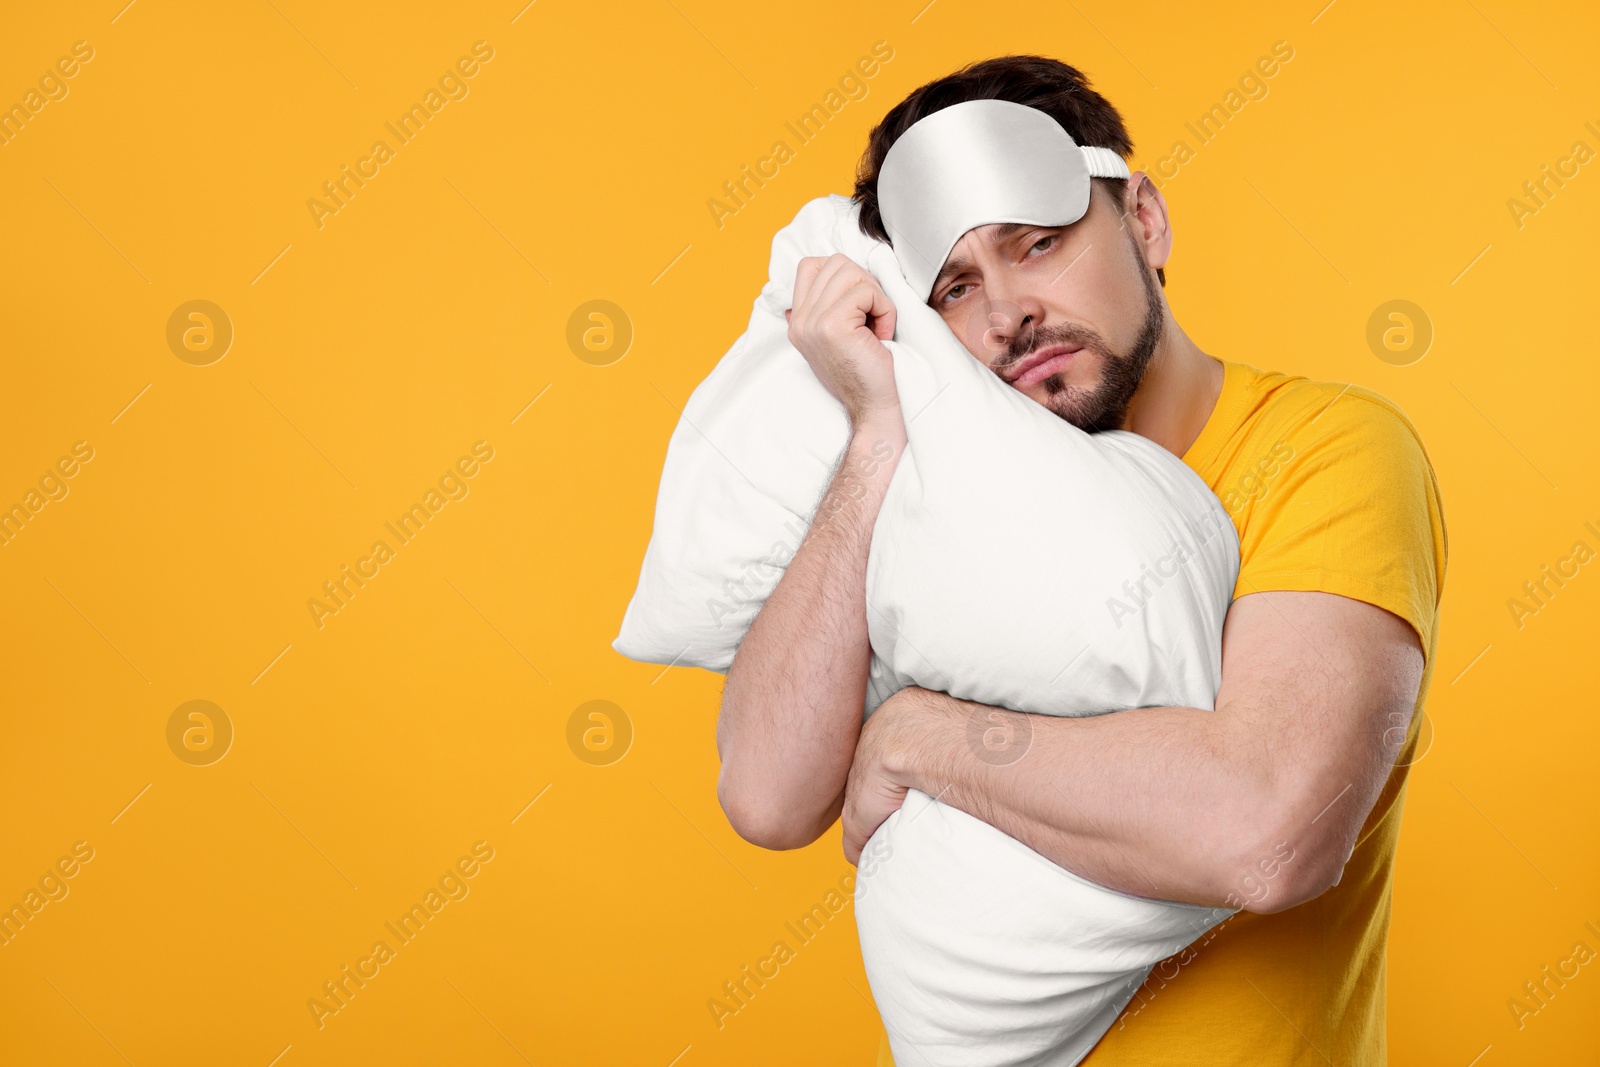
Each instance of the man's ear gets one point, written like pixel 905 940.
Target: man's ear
pixel 1147 220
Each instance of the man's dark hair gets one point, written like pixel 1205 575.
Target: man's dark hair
pixel 1060 91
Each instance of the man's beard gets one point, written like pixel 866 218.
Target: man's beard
pixel 1103 407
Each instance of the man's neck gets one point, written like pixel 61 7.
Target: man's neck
pixel 1177 394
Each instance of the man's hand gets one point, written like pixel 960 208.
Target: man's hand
pixel 840 319
pixel 875 790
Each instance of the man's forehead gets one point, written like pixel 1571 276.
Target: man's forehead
pixel 997 232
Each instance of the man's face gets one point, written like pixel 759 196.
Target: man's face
pixel 1067 315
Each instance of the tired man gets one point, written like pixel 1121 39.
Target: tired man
pixel 1327 649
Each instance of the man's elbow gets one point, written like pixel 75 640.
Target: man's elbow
pixel 760 821
pixel 1291 892
pixel 1284 873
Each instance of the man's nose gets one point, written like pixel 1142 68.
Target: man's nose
pixel 1007 322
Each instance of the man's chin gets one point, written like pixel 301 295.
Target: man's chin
pixel 1071 403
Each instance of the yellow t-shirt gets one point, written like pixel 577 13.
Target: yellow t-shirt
pixel 1330 489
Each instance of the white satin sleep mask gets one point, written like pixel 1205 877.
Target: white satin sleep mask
pixel 980 162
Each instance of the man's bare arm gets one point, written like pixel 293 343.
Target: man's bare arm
pixel 1182 803
pixel 792 705
pixel 791 709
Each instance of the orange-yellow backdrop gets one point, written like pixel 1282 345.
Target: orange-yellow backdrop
pixel 374 345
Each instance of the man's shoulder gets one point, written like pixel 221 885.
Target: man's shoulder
pixel 1311 413
pixel 1349 502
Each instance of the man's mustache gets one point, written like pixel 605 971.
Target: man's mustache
pixel 1032 340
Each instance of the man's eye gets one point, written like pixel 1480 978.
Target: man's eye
pixel 1042 240
pixel 952 291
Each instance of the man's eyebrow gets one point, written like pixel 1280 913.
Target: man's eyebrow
pixel 958 264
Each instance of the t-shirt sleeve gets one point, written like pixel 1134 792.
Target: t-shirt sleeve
pixel 1353 510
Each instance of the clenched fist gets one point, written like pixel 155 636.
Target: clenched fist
pixel 840 319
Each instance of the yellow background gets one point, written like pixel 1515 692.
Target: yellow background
pixel 425 716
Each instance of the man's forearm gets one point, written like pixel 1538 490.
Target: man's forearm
pixel 792 705
pixel 1258 804
pixel 1148 801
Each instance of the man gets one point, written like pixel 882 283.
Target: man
pixel 1285 800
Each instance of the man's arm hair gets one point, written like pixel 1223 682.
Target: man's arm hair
pixel 795 693
pixel 1192 805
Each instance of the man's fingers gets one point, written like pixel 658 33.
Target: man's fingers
pixel 883 313
pixel 813 275
pixel 851 285
pixel 827 277
pixel 868 297
pixel 805 276
pixel 824 282
pixel 835 281
pixel 852 847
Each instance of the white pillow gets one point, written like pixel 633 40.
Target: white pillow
pixel 999 558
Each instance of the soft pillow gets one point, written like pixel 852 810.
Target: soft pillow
pixel 1016 560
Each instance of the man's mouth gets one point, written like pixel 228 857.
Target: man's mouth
pixel 1038 365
